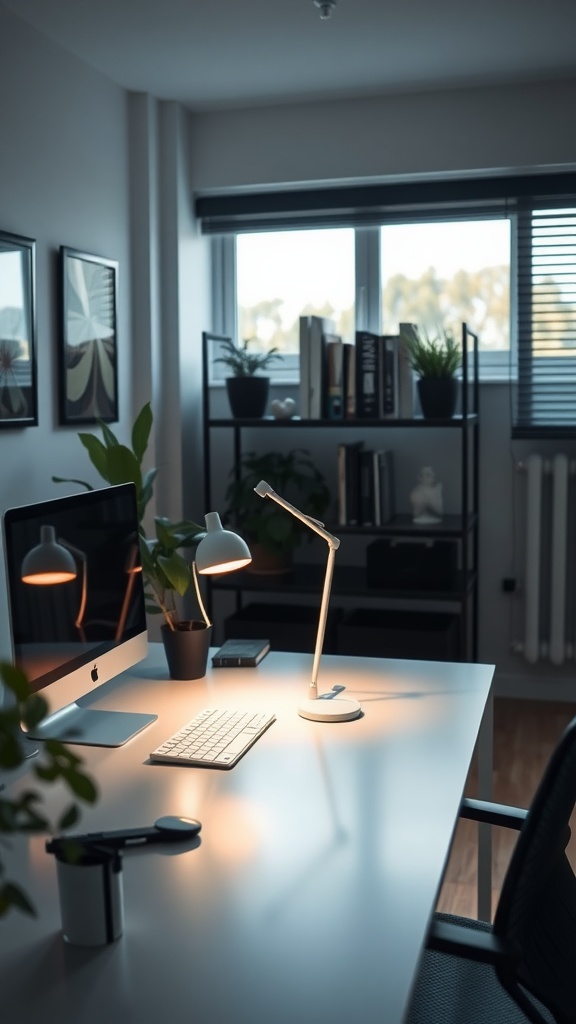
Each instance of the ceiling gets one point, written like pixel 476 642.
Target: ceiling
pixel 226 53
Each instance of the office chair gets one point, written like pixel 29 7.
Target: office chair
pixel 523 967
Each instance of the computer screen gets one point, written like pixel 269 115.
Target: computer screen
pixel 76 605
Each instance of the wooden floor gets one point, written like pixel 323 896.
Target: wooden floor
pixel 525 733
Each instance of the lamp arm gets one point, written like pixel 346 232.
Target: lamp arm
pixel 266 491
pixel 313 693
pixel 198 595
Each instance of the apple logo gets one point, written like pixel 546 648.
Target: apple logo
pixel 94 674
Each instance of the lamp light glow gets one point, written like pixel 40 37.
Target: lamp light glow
pixel 327 707
pixel 219 551
pixel 49 562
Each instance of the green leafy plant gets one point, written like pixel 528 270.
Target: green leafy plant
pixel 243 363
pixel 166 572
pixel 55 763
pixel 294 477
pixel 434 357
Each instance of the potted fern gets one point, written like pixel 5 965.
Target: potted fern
pixel 436 362
pixel 247 389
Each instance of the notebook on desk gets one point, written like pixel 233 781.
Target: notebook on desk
pixel 240 653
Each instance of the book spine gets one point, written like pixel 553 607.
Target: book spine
pixel 341 477
pixel 389 370
pixel 352 473
pixel 386 487
pixel 368 375
pixel 304 342
pixel 318 328
pixel 335 377
pixel 349 385
pixel 405 374
pixel 366 466
pixel 376 486
pixel 234 662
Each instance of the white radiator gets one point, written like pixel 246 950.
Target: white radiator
pixel 549 564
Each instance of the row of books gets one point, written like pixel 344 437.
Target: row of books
pixel 371 379
pixel 365 485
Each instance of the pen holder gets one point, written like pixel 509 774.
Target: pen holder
pixel 90 890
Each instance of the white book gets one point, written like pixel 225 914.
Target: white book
pixel 319 326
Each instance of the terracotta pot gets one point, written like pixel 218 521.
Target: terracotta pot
pixel 187 649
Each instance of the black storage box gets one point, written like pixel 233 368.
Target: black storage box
pixel 288 627
pixel 394 634
pixel 421 564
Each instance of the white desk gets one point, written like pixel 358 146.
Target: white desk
pixel 321 855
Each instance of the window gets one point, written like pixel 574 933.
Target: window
pixel 546 394
pixel 281 275
pixel 429 273
pixel 446 273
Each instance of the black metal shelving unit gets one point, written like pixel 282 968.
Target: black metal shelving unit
pixel 350 581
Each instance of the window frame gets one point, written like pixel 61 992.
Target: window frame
pixel 493 366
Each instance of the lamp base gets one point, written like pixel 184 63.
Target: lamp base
pixel 337 709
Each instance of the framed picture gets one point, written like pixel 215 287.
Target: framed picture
pixel 18 382
pixel 88 355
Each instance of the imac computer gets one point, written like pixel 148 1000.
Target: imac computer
pixel 76 607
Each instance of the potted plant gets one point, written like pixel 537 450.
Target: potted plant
pixel 247 392
pixel 167 574
pixel 270 532
pixel 54 764
pixel 436 362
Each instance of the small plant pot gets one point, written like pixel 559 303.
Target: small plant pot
pixel 186 649
pixel 438 397
pixel 248 396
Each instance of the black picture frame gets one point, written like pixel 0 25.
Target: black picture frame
pixel 18 376
pixel 89 343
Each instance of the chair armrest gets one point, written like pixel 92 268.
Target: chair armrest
pixel 493 814
pixel 469 942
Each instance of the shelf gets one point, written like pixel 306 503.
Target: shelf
pixel 404 526
pixel 348 581
pixel 455 422
pixel 454 539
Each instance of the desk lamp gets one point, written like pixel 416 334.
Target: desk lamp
pixel 327 707
pixel 219 551
pixel 52 561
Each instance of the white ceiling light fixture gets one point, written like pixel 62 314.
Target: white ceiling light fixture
pixel 326 7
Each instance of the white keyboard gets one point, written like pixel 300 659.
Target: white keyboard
pixel 214 738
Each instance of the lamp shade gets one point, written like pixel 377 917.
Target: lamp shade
pixel 49 562
pixel 220 550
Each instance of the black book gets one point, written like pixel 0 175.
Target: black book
pixel 240 653
pixel 368 375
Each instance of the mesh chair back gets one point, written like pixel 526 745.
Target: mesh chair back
pixel 537 906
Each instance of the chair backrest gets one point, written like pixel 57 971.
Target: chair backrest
pixel 537 906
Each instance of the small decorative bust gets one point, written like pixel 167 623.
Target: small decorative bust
pixel 426 498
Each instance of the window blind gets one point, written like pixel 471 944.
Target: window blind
pixel 545 403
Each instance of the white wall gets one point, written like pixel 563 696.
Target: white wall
pixel 431 133
pixel 63 181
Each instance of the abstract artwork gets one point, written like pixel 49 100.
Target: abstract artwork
pixel 18 387
pixel 89 384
